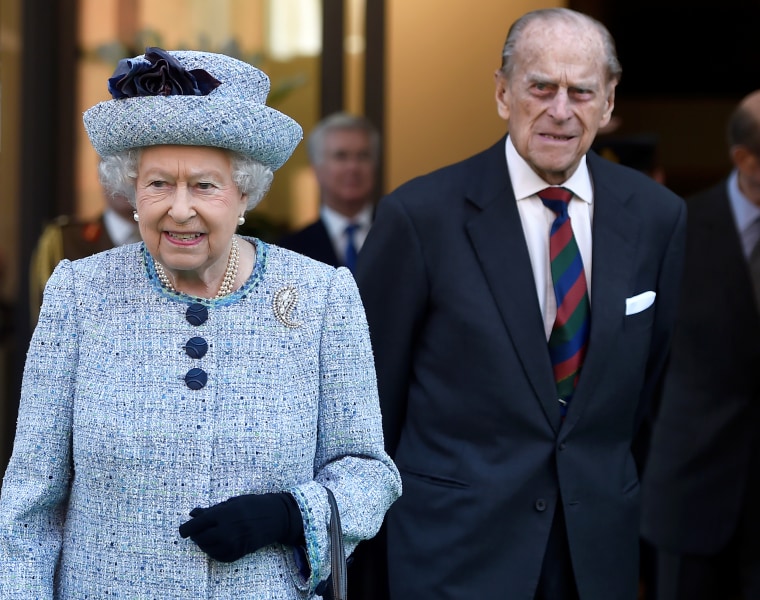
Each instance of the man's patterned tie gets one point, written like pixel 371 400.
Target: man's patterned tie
pixel 569 336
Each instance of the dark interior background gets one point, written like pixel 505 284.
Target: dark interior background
pixel 685 67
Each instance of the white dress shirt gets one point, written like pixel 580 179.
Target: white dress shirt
pixel 537 220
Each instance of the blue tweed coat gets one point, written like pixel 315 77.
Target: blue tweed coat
pixel 114 447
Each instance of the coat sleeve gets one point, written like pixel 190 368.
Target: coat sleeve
pixel 36 483
pixel 350 457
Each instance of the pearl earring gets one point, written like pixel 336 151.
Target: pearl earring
pixel 241 221
pixel 135 216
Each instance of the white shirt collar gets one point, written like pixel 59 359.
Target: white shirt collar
pixel 336 223
pixel 526 183
pixel 745 212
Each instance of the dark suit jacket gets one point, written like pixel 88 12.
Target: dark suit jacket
pixel 466 386
pixel 703 454
pixel 312 241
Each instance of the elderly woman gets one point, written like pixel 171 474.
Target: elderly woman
pixel 187 400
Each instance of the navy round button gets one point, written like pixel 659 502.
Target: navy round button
pixel 196 314
pixel 196 379
pixel 196 347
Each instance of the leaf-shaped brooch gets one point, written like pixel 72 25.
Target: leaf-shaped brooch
pixel 283 304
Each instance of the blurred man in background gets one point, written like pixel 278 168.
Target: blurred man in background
pixel 701 487
pixel 344 151
pixel 72 238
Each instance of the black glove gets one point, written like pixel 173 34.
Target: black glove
pixel 231 529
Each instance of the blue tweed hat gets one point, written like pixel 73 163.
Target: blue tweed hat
pixel 191 99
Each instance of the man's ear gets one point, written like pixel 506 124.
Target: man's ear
pixel 609 105
pixel 742 157
pixel 501 94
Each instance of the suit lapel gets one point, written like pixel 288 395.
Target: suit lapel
pixel 615 233
pixel 497 238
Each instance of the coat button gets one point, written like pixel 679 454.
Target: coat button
pixel 540 505
pixel 196 314
pixel 196 347
pixel 196 379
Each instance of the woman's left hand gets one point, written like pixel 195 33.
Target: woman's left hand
pixel 231 529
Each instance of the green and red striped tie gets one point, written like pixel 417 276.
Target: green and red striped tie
pixel 569 336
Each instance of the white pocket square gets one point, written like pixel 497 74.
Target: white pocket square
pixel 635 304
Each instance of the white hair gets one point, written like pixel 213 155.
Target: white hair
pixel 118 173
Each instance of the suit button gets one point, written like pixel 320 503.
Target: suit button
pixel 540 505
pixel 562 446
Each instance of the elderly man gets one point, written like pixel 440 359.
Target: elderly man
pixel 521 304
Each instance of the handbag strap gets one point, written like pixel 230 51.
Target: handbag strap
pixel 338 551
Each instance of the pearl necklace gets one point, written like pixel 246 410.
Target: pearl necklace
pixel 230 275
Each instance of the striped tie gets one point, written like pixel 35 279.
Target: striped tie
pixel 569 336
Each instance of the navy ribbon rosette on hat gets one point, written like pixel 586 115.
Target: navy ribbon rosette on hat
pixel 158 73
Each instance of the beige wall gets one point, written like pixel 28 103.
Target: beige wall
pixel 441 56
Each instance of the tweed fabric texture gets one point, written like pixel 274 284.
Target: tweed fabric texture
pixel 113 450
pixel 233 116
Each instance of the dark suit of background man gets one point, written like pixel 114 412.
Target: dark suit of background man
pixel 344 151
pixel 503 498
pixel 701 493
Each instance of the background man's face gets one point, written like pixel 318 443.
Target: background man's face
pixel 346 173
